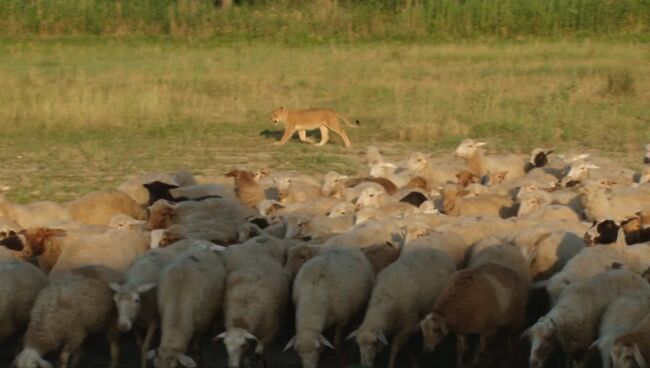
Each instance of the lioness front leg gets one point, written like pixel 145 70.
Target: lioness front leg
pixel 285 138
pixel 324 135
pixel 303 137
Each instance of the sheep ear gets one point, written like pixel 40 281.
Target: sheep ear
pixel 620 238
pixel 290 344
pixel 115 287
pixel 151 354
pixel 186 361
pixel 325 342
pixel 638 357
pixel 42 363
pixel 525 335
pixel 382 338
pixel 249 335
pixel 220 336
pixel 146 287
pixel 352 335
pixel 594 345
pixel 216 248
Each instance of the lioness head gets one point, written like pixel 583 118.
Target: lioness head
pixel 279 114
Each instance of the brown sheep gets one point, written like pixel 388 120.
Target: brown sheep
pixel 466 178
pixel 483 300
pixel 388 185
pixel 381 255
pixel 247 189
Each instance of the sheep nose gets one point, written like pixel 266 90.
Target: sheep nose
pixel 124 327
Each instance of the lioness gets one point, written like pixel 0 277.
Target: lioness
pixel 308 119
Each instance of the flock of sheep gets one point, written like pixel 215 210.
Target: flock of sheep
pixel 419 248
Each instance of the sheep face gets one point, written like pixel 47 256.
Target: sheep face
pixel 604 232
pixel 236 341
pixel 418 162
pixel 467 148
pixel 539 157
pixel 283 184
pixel 529 188
pixel 415 231
pixel 128 304
pixel 168 358
pixel 30 358
pixel 369 198
pixel 466 178
pixel 542 341
pixel 295 226
pixel 331 182
pixel 370 343
pixel 626 354
pixel 494 178
pixel 309 346
pixel 529 204
pixel 341 209
pixel 434 329
pixel 579 171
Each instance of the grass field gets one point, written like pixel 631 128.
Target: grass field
pixel 80 113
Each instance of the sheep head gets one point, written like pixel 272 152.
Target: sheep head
pixel 381 169
pixel 309 344
pixel 128 303
pixel 626 354
pixel 529 203
pixel 467 148
pixel 494 178
pixel 341 209
pixel 237 340
pixel 434 329
pixel 369 198
pixel 159 190
pixel 169 358
pixel 332 183
pixel 30 358
pixel 604 232
pixel 370 343
pixel 539 157
pixel 466 178
pixel 418 161
pixel 542 340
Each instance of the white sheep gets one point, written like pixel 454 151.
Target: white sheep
pixel 573 321
pixel 20 283
pixel 618 205
pixel 71 307
pixel 419 164
pixel 622 316
pixel 399 301
pixel 328 291
pixel 257 294
pixel 136 299
pixel 190 293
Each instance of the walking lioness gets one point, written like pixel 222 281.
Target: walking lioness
pixel 308 119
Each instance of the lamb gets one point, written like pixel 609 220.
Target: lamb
pixel 573 321
pixel 98 208
pixel 489 204
pixel 633 349
pixel 66 311
pixel 329 289
pixel 481 164
pixel 136 299
pixel 621 317
pixel 257 293
pixel 249 192
pixel 399 301
pixel 187 311
pixel 294 191
pixel 467 305
pixel 20 283
pixel 35 214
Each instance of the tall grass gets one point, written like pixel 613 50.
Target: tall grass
pixel 319 20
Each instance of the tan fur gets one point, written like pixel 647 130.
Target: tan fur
pixel 98 208
pixel 247 189
pixel 309 119
pixel 381 255
pixel 466 178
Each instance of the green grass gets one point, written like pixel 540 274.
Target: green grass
pixel 84 112
pixel 308 21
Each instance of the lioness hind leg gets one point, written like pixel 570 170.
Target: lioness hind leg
pixel 344 136
pixel 303 137
pixel 324 135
